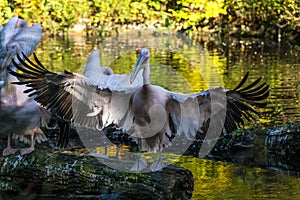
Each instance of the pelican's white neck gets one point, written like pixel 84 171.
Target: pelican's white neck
pixel 146 74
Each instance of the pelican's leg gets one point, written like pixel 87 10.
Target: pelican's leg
pixel 158 165
pixel 31 148
pixel 118 151
pixel 9 150
pixel 140 163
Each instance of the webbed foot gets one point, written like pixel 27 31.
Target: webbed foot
pixel 139 165
pixel 26 150
pixel 157 165
pixel 9 151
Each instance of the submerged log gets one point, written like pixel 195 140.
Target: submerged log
pixel 45 174
pixel 283 140
pixel 275 148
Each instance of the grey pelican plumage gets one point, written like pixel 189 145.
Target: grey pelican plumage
pixel 154 112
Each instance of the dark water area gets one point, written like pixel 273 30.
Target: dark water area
pixel 182 64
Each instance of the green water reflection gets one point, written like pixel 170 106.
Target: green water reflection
pixel 183 65
pixel 219 180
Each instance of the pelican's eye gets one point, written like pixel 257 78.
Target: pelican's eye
pixel 10 48
pixel 146 54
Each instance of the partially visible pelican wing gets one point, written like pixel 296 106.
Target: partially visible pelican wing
pixel 222 108
pixel 28 38
pixel 105 77
pixel 93 67
pixel 8 30
pixel 70 96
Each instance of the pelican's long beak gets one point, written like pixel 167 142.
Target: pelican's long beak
pixel 138 66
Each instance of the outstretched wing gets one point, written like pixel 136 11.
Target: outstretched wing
pixel 216 109
pixel 71 96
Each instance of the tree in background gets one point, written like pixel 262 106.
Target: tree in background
pixel 277 20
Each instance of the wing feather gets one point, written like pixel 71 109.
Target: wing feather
pixel 71 96
pixel 220 107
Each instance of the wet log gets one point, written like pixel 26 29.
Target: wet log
pixel 49 175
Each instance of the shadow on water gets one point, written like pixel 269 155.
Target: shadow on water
pixel 184 65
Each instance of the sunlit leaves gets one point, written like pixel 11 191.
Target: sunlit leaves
pixel 191 14
pixel 234 17
pixel 5 11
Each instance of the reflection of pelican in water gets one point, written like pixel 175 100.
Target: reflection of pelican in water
pixel 156 113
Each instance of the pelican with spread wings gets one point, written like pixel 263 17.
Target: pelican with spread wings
pixel 155 113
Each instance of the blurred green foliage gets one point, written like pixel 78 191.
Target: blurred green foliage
pixel 191 14
pixel 274 19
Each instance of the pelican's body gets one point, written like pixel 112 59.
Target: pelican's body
pixel 140 104
pixel 20 115
pixel 155 113
pixel 149 108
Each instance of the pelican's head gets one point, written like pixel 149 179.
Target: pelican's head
pixel 25 40
pixel 11 51
pixel 11 30
pixel 142 62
